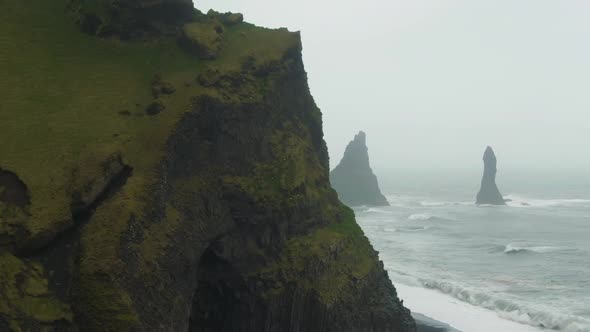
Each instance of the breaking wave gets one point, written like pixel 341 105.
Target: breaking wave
pixel 427 217
pixel 378 210
pixel 512 249
pixel 438 204
pixel 507 309
pixel 413 228
pixel 512 200
pixel 516 200
pixel 420 216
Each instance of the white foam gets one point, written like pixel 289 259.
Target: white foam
pixel 516 200
pixel 427 203
pixel 378 210
pixel 473 302
pixel 414 228
pixel 420 216
pixel 516 249
pixel 460 315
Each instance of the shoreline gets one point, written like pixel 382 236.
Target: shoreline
pixel 427 324
pixel 438 312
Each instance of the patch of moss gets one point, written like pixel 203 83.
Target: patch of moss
pixel 329 260
pixel 285 177
pixel 101 300
pixel 204 38
pixel 25 299
pixel 157 240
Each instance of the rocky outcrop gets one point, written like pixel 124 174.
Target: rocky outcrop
pixel 489 193
pixel 353 178
pixel 212 213
pixel 13 192
pixel 131 19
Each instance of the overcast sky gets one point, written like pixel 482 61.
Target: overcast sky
pixel 433 82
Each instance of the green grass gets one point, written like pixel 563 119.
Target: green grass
pixel 70 101
pixel 25 294
pixel 62 92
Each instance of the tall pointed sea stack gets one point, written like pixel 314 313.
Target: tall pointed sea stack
pixel 489 193
pixel 353 178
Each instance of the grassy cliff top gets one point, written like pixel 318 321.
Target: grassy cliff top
pixel 71 102
pixel 181 145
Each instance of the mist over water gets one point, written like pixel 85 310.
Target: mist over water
pixel 526 263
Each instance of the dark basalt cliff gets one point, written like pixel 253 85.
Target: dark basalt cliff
pixel 353 178
pixel 489 193
pixel 161 174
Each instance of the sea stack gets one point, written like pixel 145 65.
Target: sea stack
pixel 489 193
pixel 353 178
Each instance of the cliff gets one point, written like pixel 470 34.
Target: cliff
pixel 489 193
pixel 353 178
pixel 165 170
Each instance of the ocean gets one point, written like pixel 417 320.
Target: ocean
pixel 521 267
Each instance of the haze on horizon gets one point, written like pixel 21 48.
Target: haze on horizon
pixel 433 82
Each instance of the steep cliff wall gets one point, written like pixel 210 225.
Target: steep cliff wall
pixel 170 175
pixel 354 179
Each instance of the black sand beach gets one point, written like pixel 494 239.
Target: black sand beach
pixel 426 324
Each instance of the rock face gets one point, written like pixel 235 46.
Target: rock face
pixel 131 19
pixel 353 178
pixel 489 193
pixel 213 214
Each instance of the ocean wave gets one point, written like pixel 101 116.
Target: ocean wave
pixel 428 203
pixel 378 210
pixel 516 200
pixel 413 228
pixel 440 203
pixel 422 201
pixel 507 309
pixel 512 249
pixel 512 200
pixel 426 217
pixel 420 216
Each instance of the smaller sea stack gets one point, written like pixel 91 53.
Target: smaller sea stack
pixel 489 193
pixel 353 178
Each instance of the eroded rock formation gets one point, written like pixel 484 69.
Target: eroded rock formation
pixel 489 193
pixel 131 19
pixel 353 178
pixel 214 213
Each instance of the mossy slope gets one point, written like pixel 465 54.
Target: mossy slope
pixel 147 160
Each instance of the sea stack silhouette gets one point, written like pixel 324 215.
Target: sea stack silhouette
pixel 353 178
pixel 489 193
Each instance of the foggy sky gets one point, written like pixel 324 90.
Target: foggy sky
pixel 433 82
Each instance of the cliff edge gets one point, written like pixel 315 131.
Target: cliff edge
pixel 489 193
pixel 353 178
pixel 165 170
